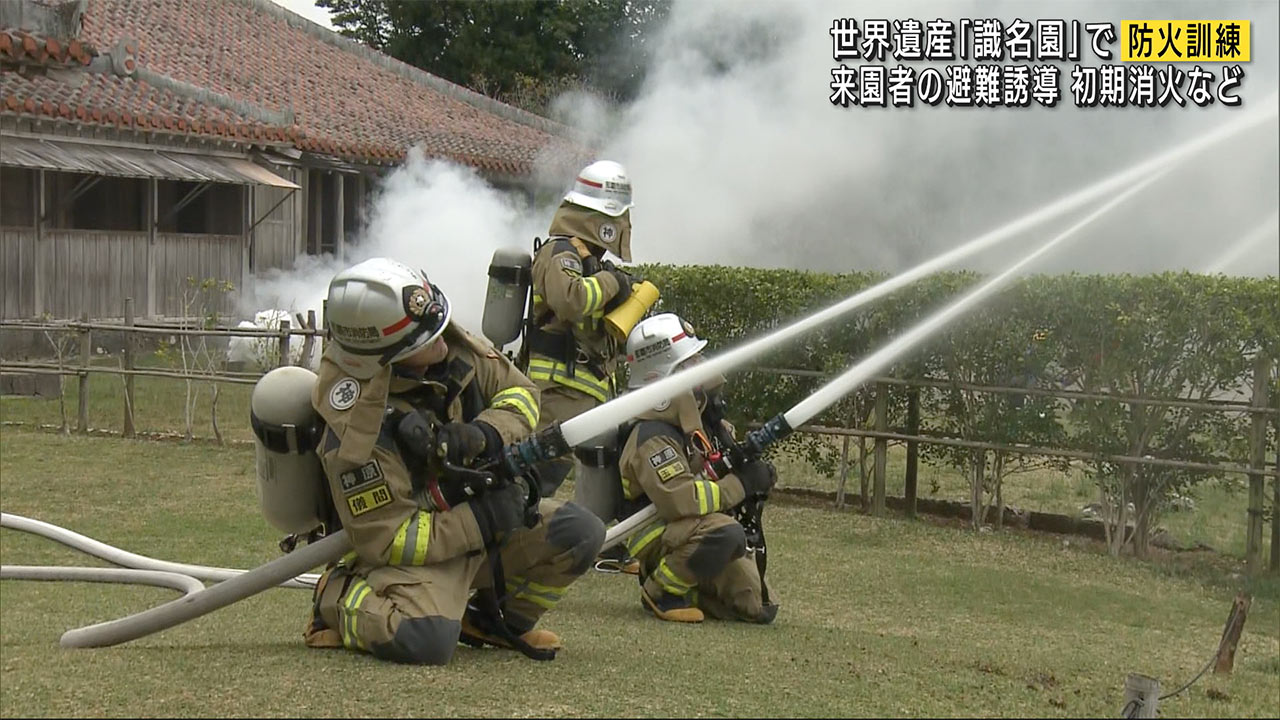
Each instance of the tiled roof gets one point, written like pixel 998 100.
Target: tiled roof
pixel 248 69
pixel 21 45
pixel 105 98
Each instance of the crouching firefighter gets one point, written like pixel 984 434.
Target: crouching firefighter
pixel 414 408
pixel 695 557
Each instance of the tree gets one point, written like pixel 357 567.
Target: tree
pixel 1186 337
pixel 501 49
pixel 1001 343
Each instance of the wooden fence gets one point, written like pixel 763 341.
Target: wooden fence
pixel 881 433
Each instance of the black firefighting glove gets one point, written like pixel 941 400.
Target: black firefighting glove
pixel 498 512
pixel 625 281
pixel 462 443
pixel 413 435
pixel 621 273
pixel 757 478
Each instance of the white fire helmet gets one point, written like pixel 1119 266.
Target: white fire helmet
pixel 380 311
pixel 656 346
pixel 603 186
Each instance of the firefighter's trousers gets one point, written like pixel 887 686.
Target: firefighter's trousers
pixel 413 614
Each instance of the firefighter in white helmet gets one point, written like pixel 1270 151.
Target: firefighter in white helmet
pixel 402 390
pixel 569 354
pixel 694 556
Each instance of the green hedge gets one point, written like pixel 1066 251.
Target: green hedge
pixel 1099 332
pixel 1171 335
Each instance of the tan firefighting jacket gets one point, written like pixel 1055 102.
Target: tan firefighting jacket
pixel 655 463
pixel 369 481
pixel 569 305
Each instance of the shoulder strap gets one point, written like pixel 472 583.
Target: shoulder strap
pixel 648 429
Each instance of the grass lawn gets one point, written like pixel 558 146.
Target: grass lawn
pixel 1218 521
pixel 880 616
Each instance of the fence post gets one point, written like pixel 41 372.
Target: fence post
pixel 309 344
pixel 1141 695
pixel 1275 510
pixel 844 472
pixel 284 342
pixel 913 450
pixel 86 354
pixel 882 425
pixel 1226 657
pixel 128 365
pixel 1257 455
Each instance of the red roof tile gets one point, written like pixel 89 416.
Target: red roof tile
pixel 345 100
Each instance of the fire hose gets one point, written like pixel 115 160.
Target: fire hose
pixel 559 439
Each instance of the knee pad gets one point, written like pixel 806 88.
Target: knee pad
pixel 748 604
pixel 580 532
pixel 717 549
pixel 422 641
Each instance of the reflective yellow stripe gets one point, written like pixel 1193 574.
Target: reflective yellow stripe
pixel 542 595
pixel 537 298
pixel 520 399
pixel 636 546
pixel 424 537
pixel 708 494
pixel 539 587
pixel 594 295
pixel 547 600
pixel 402 536
pixel 670 581
pixel 355 597
pixel 541 368
pixel 413 534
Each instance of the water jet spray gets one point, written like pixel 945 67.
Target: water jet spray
pixel 583 427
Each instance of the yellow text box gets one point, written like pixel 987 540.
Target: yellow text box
pixel 1184 40
pixel 369 500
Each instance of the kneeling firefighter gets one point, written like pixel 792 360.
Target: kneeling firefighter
pixel 412 407
pixel 695 557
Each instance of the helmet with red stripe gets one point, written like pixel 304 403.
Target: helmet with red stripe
pixel 603 186
pixel 380 311
pixel 657 346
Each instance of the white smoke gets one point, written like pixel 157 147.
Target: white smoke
pixel 739 158
pixel 429 214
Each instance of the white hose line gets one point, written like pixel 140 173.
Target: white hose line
pixel 859 373
pixel 590 423
pixel 626 528
pixel 243 585
pixel 577 430
pixel 877 361
pixel 123 558
pixel 186 584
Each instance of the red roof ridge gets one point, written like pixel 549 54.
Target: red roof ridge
pixel 416 74
pixel 32 48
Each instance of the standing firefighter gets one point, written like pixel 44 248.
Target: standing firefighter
pixel 571 355
pixel 410 404
pixel 694 556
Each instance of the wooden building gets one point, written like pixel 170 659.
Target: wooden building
pixel 144 142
